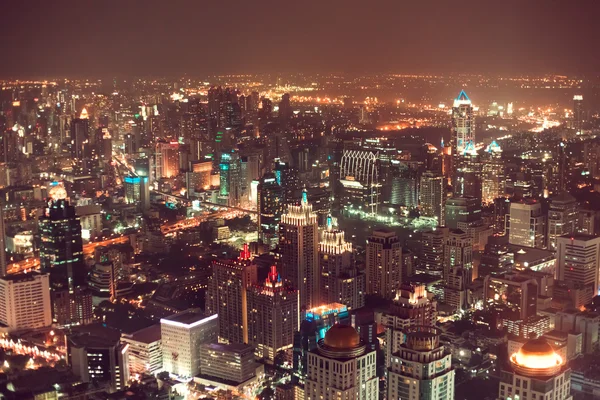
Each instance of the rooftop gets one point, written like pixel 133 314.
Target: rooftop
pixel 147 335
pixel 188 318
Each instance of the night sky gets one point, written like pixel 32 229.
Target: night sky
pixel 170 37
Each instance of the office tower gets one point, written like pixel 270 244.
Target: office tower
pixel 270 206
pixel 526 224
pixel 585 323
pixel 492 174
pixel 462 209
pixel 2 242
pixel 202 171
pixel 562 217
pixel 421 369
pixel 145 351
pixel 273 316
pixel 167 159
pixel 285 109
pixel 432 196
pixel 341 281
pixel 432 250
pixel 536 372
pixel 287 177
pixel 342 367
pixel 516 294
pixel 468 178
pixel 228 362
pixel 99 356
pixel 586 222
pixel 463 135
pixel 103 281
pixel 456 288
pixel 404 186
pixel 79 136
pixel 384 263
pixel 132 186
pixel 61 255
pixel 578 259
pixel 229 169
pixel 299 250
pixel 25 301
pixel 412 307
pixel 182 335
pixel 578 112
pixel 227 296
pixel 458 253
pixel 360 180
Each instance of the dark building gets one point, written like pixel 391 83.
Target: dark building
pixel 270 207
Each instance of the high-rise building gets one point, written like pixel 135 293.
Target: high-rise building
pixel 342 367
pixel 61 255
pixel 578 112
pixel 341 281
pixel 421 369
pixel 79 136
pixel 432 196
pixel 167 159
pixel 299 249
pixel 458 252
pixel 2 241
pixel 227 296
pixel 182 336
pixel 287 177
pixel 383 263
pixel 228 362
pixel 145 350
pixel 518 294
pixel 229 169
pixel 360 180
pixel 462 140
pixel 133 190
pixel 103 281
pixel 536 372
pixel 432 250
pixel 526 224
pixel 25 301
pixel 562 218
pixel 273 316
pixel 462 209
pixel 578 259
pixel 270 206
pixel 492 174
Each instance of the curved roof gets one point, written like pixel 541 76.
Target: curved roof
pixel 342 337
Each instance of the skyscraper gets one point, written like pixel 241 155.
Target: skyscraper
pixel 421 369
pixel 341 281
pixel 270 206
pixel 526 224
pixel 492 174
pixel 273 316
pixel 342 367
pixel 463 134
pixel 2 242
pixel 562 217
pixel 384 263
pixel 462 209
pixel 61 255
pixel 458 252
pixel 432 195
pixel 432 250
pixel 578 258
pixel 25 301
pixel 536 372
pixel 227 296
pixel 80 128
pixel 359 176
pixel 299 249
pixel 167 159
pixel 578 112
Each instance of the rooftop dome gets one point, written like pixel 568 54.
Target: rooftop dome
pixel 342 337
pixel 537 357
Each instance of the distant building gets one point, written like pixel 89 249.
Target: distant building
pixel 578 259
pixel 383 264
pixel 526 224
pixel 432 196
pixel 25 301
pixel 562 218
pixel 228 362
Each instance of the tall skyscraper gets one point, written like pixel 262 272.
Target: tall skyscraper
pixel 462 209
pixel 517 293
pixel 526 224
pixel 61 255
pixel 492 174
pixel 578 112
pixel 384 263
pixel 299 249
pixel 270 206
pixel 227 296
pixel 360 179
pixel 341 281
pixel 578 258
pixel 463 136
pixel 2 242
pixel 562 217
pixel 342 367
pixel 167 159
pixel 421 369
pixel 273 316
pixel 432 195
pixel 80 128
pixel 536 372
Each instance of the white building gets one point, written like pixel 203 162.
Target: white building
pixel 25 301
pixel 182 334
pixel 578 259
pixel 526 224
pixel 562 218
pixel 421 369
pixel 145 350
pixel 342 368
pixel 537 372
